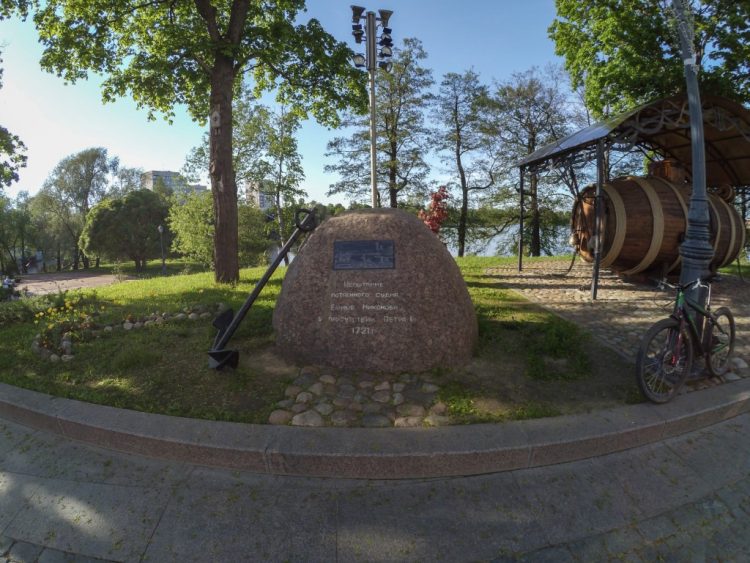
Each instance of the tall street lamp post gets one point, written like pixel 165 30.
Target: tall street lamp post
pixel 372 61
pixel 161 244
pixel 696 251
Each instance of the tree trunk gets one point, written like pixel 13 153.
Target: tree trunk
pixel 24 269
pixel 392 180
pixel 76 256
pixel 535 248
pixel 280 215
pixel 58 258
pixel 223 184
pixel 464 191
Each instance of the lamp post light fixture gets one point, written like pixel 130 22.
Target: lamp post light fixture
pixel 161 244
pixel 373 60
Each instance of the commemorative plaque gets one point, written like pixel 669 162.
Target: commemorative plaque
pixel 363 254
pixel 376 290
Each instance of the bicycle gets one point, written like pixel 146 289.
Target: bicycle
pixel 665 356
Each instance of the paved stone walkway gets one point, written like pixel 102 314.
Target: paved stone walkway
pixel 623 311
pixel 684 499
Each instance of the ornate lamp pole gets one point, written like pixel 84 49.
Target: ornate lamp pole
pixel 372 62
pixel 696 251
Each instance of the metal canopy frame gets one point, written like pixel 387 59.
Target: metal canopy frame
pixel 662 127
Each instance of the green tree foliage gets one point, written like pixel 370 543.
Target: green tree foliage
pixel 50 234
pixel 8 236
pixel 191 222
pixel 126 227
pixel 402 136
pixel 464 142
pixel 253 240
pixel 266 156
pixel 76 183
pixel 164 53
pixel 125 180
pixel 626 52
pixel 12 149
pixel 530 110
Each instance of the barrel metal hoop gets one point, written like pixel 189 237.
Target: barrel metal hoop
pixel 657 235
pixel 727 259
pixel 718 225
pixel 679 195
pixel 621 220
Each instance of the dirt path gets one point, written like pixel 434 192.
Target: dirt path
pixel 39 284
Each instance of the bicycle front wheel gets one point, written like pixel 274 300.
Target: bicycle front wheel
pixel 664 360
pixel 720 341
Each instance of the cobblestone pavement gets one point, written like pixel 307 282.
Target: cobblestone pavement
pixel 623 311
pixel 325 399
pixel 684 499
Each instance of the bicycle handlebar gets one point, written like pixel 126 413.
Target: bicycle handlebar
pixel 701 281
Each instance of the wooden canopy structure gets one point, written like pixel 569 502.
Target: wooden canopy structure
pixel 661 127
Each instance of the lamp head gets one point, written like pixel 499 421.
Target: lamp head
pixel 385 40
pixel 357 12
pixel 385 52
pixel 160 229
pixel 359 60
pixel 385 15
pixel 358 33
pixel 385 65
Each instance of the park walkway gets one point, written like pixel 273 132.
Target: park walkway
pixel 623 311
pixel 684 499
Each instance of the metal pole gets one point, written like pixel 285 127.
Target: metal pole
pixel 597 217
pixel 696 251
pixel 372 65
pixel 520 225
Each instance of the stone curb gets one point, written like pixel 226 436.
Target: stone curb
pixel 369 453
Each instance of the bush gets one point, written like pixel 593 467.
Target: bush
pixel 191 220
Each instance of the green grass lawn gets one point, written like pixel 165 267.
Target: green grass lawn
pixel 743 269
pixel 528 363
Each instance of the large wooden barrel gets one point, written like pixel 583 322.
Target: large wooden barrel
pixel 644 222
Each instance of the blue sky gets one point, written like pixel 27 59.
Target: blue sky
pixel 494 37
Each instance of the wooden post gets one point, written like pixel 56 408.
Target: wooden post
pixel 597 217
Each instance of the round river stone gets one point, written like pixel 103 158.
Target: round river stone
pixel 375 289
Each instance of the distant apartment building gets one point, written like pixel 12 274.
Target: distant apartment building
pixel 259 194
pixel 173 181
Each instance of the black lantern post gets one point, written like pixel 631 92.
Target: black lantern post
pixel 372 61
pixel 696 250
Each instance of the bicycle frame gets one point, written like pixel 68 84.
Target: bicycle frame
pixel 682 314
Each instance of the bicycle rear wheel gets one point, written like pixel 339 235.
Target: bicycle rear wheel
pixel 720 342
pixel 664 360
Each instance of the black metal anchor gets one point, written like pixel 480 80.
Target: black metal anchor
pixel 227 322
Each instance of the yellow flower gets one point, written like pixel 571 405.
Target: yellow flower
pixel 50 326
